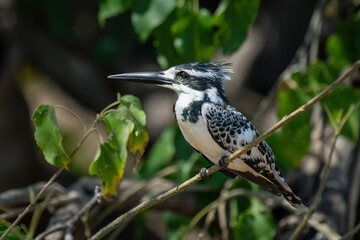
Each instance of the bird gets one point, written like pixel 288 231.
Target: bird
pixel 214 128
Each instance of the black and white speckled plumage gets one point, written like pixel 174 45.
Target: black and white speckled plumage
pixel 232 130
pixel 213 127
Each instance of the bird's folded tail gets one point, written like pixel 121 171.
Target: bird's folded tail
pixel 290 196
pixel 273 183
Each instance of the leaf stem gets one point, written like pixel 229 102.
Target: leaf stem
pixel 103 112
pixel 74 114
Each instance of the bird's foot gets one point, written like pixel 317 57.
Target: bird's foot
pixel 222 162
pixel 204 174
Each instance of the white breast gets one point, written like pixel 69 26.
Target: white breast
pixel 197 135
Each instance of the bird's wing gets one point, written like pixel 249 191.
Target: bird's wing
pixel 232 130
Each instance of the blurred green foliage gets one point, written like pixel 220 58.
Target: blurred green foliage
pixel 256 222
pixel 183 32
pixel 291 143
pixel 55 14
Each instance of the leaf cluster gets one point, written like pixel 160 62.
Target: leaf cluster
pixel 126 128
pixel 183 32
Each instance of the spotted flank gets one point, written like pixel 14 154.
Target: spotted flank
pixel 232 130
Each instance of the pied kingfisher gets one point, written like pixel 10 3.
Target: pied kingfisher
pixel 213 127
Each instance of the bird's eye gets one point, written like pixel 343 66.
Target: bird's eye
pixel 183 75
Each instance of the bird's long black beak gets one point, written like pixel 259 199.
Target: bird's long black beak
pixel 144 77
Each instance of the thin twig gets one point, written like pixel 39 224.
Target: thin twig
pixel 182 187
pixel 351 233
pixel 210 217
pixel 222 209
pixel 74 114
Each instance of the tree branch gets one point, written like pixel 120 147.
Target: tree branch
pixel 182 187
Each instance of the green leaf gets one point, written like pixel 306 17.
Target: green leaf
pixel 109 165
pixel 148 15
pixel 193 36
pixel 48 136
pixel 111 8
pixel 233 19
pixel 15 234
pixel 126 127
pixel 110 159
pixel 139 136
pixel 255 223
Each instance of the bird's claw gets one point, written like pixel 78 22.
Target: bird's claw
pixel 222 162
pixel 204 174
